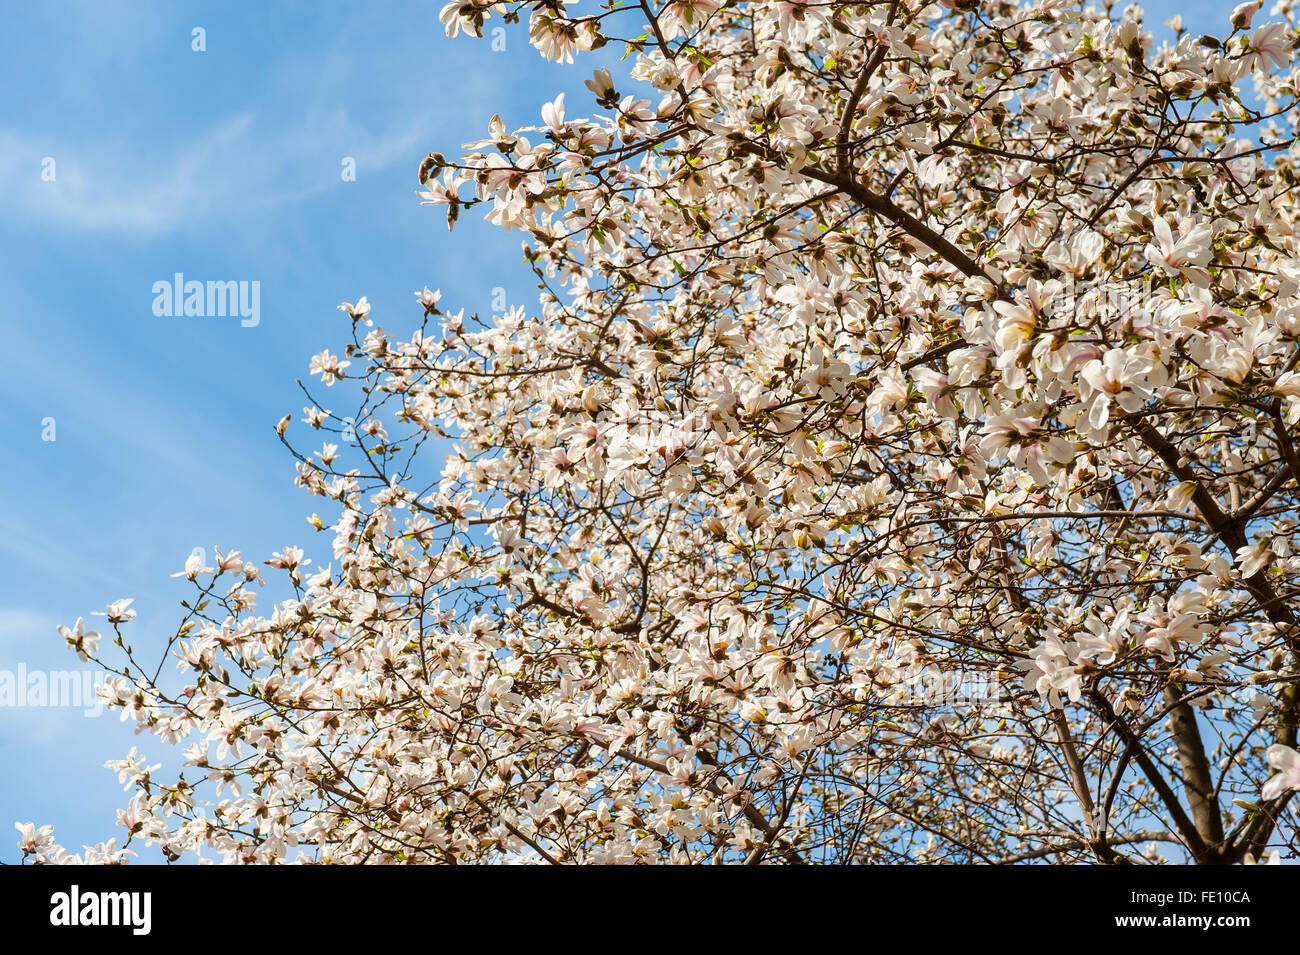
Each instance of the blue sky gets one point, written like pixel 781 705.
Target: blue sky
pixel 223 165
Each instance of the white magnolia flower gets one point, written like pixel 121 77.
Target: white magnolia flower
pixel 1176 254
pixel 601 83
pixel 328 366
pixel 1255 557
pixel 1268 47
pixel 119 611
pixel 1103 642
pixel 358 311
pixel 32 840
pixel 1287 763
pixel 82 641
pixel 553 113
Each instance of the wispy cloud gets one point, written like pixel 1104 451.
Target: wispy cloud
pixel 236 166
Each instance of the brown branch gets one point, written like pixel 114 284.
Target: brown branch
pixel 1186 828
pixel 864 78
pixel 1201 796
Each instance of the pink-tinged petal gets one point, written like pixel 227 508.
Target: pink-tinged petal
pixel 1099 412
pixel 1274 788
pixel 1284 758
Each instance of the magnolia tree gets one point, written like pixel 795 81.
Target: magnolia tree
pixel 898 467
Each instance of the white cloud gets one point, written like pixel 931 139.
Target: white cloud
pixel 235 167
